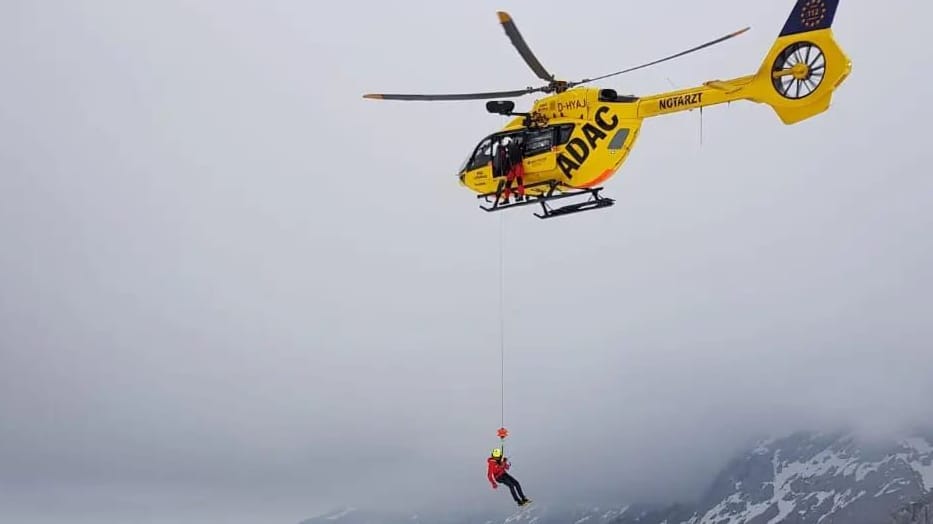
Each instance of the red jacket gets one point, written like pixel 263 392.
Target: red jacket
pixel 495 469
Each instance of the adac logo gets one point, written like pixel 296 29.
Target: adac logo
pixel 812 13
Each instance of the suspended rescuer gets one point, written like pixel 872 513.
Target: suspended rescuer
pixel 497 473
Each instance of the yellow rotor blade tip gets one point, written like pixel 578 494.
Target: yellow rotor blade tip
pixel 504 17
pixel 373 96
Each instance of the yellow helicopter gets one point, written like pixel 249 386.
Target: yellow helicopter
pixel 576 138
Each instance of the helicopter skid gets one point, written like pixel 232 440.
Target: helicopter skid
pixel 596 201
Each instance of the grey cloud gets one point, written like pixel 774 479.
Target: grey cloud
pixel 232 290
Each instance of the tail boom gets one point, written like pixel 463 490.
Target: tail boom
pixel 797 77
pixel 710 93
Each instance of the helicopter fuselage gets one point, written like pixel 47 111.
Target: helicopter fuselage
pixel 582 136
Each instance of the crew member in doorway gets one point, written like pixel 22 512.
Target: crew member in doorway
pixel 516 174
pixel 507 163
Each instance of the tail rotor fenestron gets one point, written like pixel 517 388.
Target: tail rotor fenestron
pixel 799 70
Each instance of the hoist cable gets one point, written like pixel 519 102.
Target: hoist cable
pixel 502 315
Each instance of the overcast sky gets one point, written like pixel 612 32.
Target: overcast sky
pixel 232 290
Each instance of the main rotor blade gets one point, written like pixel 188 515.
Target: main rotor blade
pixel 512 32
pixel 665 59
pixel 462 96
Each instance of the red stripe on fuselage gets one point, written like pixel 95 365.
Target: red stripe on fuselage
pixel 600 179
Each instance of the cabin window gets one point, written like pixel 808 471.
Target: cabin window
pixel 543 140
pixel 539 141
pixel 618 140
pixel 564 131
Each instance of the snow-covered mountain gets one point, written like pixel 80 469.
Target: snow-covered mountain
pixel 806 478
pixel 811 478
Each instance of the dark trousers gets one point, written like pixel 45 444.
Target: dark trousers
pixel 513 485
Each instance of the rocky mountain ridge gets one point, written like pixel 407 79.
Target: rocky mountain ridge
pixel 804 478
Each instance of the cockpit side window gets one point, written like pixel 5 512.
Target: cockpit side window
pixel 481 156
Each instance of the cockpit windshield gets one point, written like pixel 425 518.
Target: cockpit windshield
pixel 482 155
pixel 486 149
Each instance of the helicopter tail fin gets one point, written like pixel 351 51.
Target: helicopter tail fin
pixel 810 15
pixel 805 65
pixel 797 77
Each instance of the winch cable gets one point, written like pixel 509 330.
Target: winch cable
pixel 502 433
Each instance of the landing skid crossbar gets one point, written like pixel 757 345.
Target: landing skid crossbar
pixel 595 200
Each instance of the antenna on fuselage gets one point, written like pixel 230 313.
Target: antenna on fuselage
pixel 676 88
pixel 701 126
